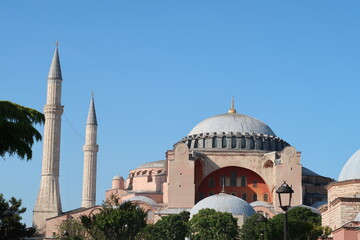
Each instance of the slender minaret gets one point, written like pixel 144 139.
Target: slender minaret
pixel 90 156
pixel 48 200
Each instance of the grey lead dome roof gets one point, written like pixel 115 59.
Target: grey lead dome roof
pixel 232 122
pixel 351 169
pixel 223 202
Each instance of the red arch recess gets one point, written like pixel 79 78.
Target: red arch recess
pixel 249 189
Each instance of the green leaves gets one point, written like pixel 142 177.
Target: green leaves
pixel 172 227
pixel 17 131
pixel 115 221
pixel 303 225
pixel 10 226
pixel 210 224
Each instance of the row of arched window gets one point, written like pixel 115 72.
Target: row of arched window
pixel 235 181
pixel 244 196
pixel 239 142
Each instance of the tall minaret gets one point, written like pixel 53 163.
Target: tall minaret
pixel 90 156
pixel 48 200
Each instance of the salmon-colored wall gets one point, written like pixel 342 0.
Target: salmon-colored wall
pixel 260 188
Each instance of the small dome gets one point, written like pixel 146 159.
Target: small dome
pixel 357 219
pixel 351 169
pixel 261 204
pixel 314 210
pixel 142 199
pixel 232 122
pixel 118 177
pixel 318 204
pixel 154 164
pixel 223 202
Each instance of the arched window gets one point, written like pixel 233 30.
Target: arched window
pixel 243 142
pixel 222 181
pixel 196 144
pixel 214 142
pixel 266 197
pixel 243 196
pixel 204 143
pixel 223 142
pixel 233 142
pixel 189 144
pixel 255 184
pixel 254 197
pixel 243 181
pixel 233 179
pixel 211 182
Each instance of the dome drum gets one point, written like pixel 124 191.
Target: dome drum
pixel 235 141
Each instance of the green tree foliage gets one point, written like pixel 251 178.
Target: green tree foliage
pixel 17 131
pixel 71 229
pixel 115 221
pixel 10 226
pixel 253 230
pixel 210 224
pixel 172 227
pixel 303 225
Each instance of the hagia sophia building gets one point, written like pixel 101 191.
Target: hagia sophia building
pixel 230 162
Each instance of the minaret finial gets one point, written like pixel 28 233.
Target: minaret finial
pixel 56 43
pixel 232 109
pixel 223 186
pixel 92 94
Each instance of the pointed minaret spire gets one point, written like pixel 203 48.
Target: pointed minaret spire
pixel 232 109
pixel 55 69
pixel 48 202
pixel 90 159
pixel 91 119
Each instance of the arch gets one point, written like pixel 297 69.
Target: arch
pixel 214 142
pixel 268 164
pixel 223 142
pixel 233 142
pixel 196 143
pixel 237 179
pixel 244 196
pixel 266 197
pixel 254 197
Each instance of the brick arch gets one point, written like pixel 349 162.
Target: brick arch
pixel 247 181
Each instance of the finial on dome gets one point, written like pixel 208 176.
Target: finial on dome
pixel 223 187
pixel 232 109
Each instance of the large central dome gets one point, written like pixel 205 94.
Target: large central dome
pixel 232 122
pixel 233 131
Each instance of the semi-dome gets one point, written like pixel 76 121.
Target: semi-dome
pixel 223 202
pixel 232 122
pixel 142 199
pixel 154 164
pixel 351 169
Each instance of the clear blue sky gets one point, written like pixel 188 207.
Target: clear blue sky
pixel 160 67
